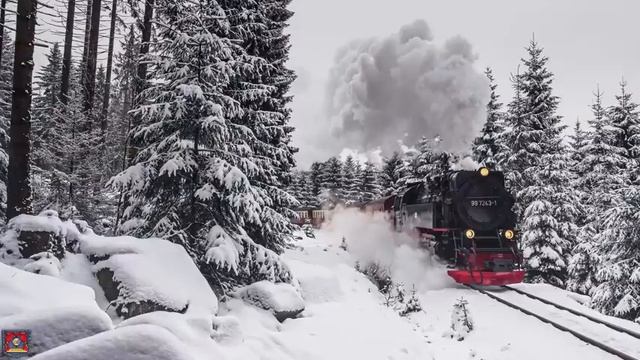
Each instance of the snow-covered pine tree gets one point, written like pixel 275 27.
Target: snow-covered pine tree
pixel 515 157
pixel 369 186
pixel 618 231
pixel 543 163
pixel 624 120
pixel 262 91
pixel 315 179
pixel 189 182
pixel 306 196
pixel 50 135
pixel 45 109
pixel 618 292
pixel 6 85
pixel 390 173
pixel 487 147
pixel 601 174
pixel 350 182
pixel 330 181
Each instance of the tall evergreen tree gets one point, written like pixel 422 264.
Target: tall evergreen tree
pixel 487 147
pixel 390 173
pixel 262 93
pixel 315 179
pixel 370 188
pixel 540 163
pixel 349 184
pixel 190 182
pixel 618 291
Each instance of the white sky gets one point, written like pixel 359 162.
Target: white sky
pixel 589 42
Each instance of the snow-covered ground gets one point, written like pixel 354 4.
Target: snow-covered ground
pixel 344 314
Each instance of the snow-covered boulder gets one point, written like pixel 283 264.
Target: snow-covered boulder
pixel 29 235
pixel 139 342
pixel 54 310
pixel 144 275
pixel 281 299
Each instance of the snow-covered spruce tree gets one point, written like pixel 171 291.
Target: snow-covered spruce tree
pixel 390 173
pixel 45 107
pixel 6 86
pixel 189 182
pixel 350 184
pixel 618 292
pixel 331 180
pixel 601 174
pixel 487 147
pixel 262 92
pixel 315 177
pixel 542 166
pixel 624 119
pixel 369 186
pixel 306 196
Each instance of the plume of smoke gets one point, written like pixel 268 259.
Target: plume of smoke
pixel 403 87
pixel 465 163
pixel 370 239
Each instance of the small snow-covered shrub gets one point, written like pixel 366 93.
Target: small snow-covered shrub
pixel 412 305
pixel 379 276
pixel 461 322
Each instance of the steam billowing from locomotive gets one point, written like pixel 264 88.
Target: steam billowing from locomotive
pixel 403 87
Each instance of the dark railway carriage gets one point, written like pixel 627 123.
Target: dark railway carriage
pixel 312 216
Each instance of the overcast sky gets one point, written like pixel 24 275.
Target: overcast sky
pixel 588 42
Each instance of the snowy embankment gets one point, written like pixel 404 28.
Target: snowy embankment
pixel 344 316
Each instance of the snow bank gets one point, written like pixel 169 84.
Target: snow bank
pixel 317 283
pixel 153 270
pixel 139 342
pixel 370 239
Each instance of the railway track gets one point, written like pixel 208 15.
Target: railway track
pixel 586 338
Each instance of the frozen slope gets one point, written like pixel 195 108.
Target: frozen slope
pixel 345 318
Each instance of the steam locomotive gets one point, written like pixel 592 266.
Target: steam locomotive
pixel 467 217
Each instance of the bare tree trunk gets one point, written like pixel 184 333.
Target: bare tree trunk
pixel 92 57
pixel 141 83
pixel 85 45
pixel 66 58
pixel 19 186
pixel 3 3
pixel 107 83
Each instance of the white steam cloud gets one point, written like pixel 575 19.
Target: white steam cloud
pixel 403 87
pixel 370 239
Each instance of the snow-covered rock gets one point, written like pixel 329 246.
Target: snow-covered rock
pixel 28 235
pixel 139 342
pixel 144 275
pixel 281 299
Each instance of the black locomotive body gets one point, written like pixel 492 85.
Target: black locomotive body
pixel 468 217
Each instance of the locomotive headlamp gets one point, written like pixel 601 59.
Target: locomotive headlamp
pixel 508 234
pixel 470 234
pixel 484 171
